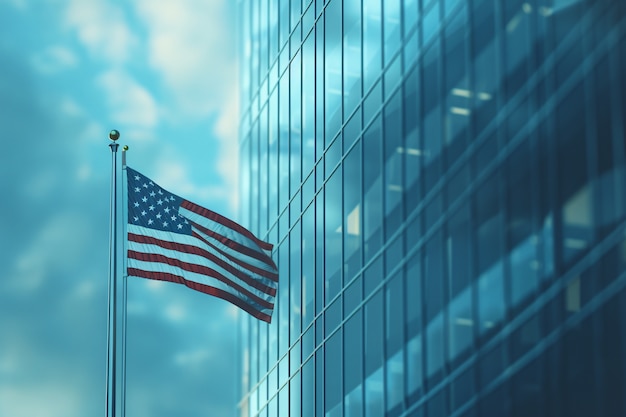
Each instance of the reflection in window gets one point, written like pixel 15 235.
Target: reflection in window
pixel 395 380
pixel 308 105
pixel 295 130
pixel 458 100
pixel 352 54
pixel 308 265
pixel 394 314
pixel 485 64
pixel 524 267
pixel 273 156
pixel 333 376
pixel 352 212
pixel 295 396
pixel 295 284
pixel 430 23
pixel 394 184
pixel 374 399
pixel 263 171
pixel 459 250
pixel 374 333
pixel 308 389
pixel 411 150
pixel 334 233
pixel 414 373
pixel 282 295
pixel 283 145
pixel 333 71
pixel 433 273
pixel 577 223
pixel 372 184
pixel 461 324
pixel 491 297
pixel 354 402
pixel 392 28
pixel 435 346
pixel 372 33
pixel 432 115
pixel 413 295
pixel 410 15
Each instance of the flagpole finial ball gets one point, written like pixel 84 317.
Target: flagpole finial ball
pixel 125 148
pixel 114 135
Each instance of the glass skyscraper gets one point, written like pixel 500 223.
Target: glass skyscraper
pixel 445 185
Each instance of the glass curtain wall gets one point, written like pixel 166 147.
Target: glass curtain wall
pixel 444 182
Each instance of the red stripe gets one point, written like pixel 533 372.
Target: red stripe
pixel 261 256
pixel 199 269
pixel 211 215
pixel 267 274
pixel 194 250
pixel 207 289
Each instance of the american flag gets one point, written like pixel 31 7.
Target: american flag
pixel 172 239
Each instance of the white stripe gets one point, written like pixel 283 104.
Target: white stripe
pixel 196 260
pixel 198 278
pixel 222 230
pixel 193 241
pixel 234 253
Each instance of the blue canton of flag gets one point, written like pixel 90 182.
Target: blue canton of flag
pixel 172 239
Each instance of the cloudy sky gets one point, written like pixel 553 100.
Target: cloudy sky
pixel 164 74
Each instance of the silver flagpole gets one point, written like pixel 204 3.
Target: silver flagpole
pixel 114 135
pixel 124 300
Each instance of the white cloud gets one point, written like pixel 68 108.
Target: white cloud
pixel 54 59
pixel 226 132
pixel 191 45
pixel 174 176
pixel 52 248
pixel 175 312
pixel 130 103
pixel 17 401
pixel 18 4
pixel 193 359
pixel 101 27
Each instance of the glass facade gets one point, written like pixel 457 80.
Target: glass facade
pixel 445 185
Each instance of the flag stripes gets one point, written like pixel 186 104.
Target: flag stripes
pixel 209 257
pixel 260 314
pixel 236 228
pixel 228 239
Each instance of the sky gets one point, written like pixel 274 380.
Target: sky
pixel 164 73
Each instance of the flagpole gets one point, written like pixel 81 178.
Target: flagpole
pixel 114 135
pixel 124 304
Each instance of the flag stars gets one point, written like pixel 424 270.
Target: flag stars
pixel 165 224
pixel 137 189
pixel 160 192
pixel 167 210
pixel 158 216
pixel 173 218
pixel 159 202
pixel 180 226
pixel 137 178
pixel 145 185
pixel 150 221
pixel 144 199
pixel 152 193
pixel 136 204
pixel 136 219
pixel 143 212
pixel 151 208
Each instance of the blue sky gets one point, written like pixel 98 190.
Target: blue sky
pixel 164 73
